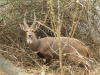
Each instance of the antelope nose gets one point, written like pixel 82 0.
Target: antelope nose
pixel 30 35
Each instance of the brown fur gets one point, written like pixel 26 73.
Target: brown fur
pixel 48 45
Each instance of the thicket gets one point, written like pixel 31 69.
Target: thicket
pixel 75 19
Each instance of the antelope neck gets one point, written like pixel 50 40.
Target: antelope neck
pixel 35 44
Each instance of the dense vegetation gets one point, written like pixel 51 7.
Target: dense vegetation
pixel 80 20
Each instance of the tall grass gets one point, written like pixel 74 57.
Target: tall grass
pixel 57 27
pixel 52 15
pixel 12 38
pixel 74 22
pixel 59 37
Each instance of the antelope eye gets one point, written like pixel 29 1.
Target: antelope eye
pixel 32 31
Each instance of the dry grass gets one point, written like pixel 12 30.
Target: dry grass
pixel 13 44
pixel 2 73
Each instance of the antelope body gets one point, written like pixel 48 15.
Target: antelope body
pixel 47 48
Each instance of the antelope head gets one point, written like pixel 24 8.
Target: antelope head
pixel 29 29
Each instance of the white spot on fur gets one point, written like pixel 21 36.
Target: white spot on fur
pixel 29 41
pixel 44 60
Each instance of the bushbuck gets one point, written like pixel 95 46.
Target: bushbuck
pixel 48 47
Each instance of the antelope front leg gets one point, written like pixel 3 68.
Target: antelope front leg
pixel 47 60
pixel 40 55
pixel 44 60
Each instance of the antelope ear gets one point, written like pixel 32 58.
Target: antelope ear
pixel 36 26
pixel 22 27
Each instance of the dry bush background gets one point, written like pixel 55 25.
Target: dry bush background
pixel 84 15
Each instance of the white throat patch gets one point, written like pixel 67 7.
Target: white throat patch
pixel 29 41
